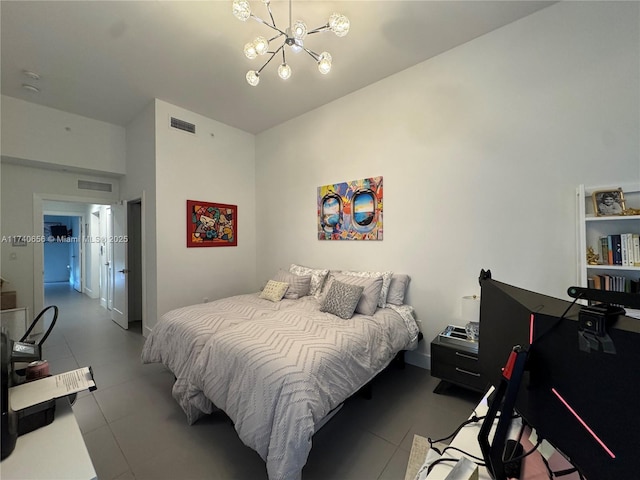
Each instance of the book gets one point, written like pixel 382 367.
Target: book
pixel 624 251
pixel 609 249
pixel 616 244
pixel 636 249
pixel 604 250
pixel 630 254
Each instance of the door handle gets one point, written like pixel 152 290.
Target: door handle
pixel 124 270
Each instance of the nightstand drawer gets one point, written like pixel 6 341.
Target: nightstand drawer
pixel 459 375
pixel 454 356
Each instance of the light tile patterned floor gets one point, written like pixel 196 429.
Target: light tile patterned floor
pixel 135 430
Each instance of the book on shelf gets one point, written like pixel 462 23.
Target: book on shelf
pixel 616 283
pixel 620 249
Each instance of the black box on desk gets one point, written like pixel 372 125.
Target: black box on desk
pixel 36 416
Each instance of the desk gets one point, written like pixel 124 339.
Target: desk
pixel 467 440
pixel 54 451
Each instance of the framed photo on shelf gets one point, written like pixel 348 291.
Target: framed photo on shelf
pixel 608 202
pixel 211 224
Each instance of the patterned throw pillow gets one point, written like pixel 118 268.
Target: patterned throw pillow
pixel 298 284
pixel 386 280
pixel 317 276
pixel 341 299
pixel 274 291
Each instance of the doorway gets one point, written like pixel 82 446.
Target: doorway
pixel 89 252
pixel 63 250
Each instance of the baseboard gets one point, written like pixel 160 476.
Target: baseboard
pixel 146 331
pixel 90 293
pixel 418 359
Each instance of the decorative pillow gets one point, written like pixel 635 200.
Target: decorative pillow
pixel 341 299
pixel 368 302
pixel 274 291
pixel 317 276
pixel 386 280
pixel 398 288
pixel 298 284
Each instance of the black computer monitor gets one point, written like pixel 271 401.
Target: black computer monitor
pixel 580 387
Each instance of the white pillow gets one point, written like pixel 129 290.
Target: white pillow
pixel 317 277
pixel 386 280
pixel 274 291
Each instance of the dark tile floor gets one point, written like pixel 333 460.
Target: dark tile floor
pixel 134 429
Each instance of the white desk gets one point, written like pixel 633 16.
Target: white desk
pixel 56 451
pixel 467 440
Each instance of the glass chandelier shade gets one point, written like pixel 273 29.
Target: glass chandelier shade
pixel 241 10
pixel 339 24
pixel 324 63
pixel 293 37
pixel 253 78
pixel 284 71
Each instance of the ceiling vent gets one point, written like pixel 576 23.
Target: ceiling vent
pixel 182 125
pixel 97 186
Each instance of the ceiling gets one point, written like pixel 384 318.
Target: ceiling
pixel 108 59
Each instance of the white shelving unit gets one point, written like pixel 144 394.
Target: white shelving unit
pixel 591 227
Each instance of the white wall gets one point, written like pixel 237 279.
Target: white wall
pixel 36 134
pixel 140 182
pixel 23 190
pixel 215 165
pixel 481 149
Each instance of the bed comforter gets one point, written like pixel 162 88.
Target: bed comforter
pixel 276 369
pixel 178 338
pixel 278 377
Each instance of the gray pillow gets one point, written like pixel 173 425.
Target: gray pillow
pixel 298 284
pixel 386 280
pixel 368 302
pixel 317 276
pixel 398 288
pixel 341 299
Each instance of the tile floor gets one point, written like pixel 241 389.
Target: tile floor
pixel 134 429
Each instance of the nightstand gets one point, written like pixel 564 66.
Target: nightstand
pixel 454 360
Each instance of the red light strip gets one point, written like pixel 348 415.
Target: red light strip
pixel 584 424
pixel 532 318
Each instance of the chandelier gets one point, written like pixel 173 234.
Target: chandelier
pixel 294 36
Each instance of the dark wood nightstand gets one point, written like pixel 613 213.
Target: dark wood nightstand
pixel 456 363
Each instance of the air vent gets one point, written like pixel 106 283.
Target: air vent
pixel 97 186
pixel 182 125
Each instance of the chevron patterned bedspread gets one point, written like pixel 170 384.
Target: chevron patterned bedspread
pixel 277 377
pixel 178 338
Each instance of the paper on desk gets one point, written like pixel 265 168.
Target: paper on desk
pixel 56 386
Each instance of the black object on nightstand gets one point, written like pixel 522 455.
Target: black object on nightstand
pixel 454 360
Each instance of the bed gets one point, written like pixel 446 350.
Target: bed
pixel 279 368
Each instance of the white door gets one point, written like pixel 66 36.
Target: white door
pixel 118 240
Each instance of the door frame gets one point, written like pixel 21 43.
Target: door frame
pixel 38 250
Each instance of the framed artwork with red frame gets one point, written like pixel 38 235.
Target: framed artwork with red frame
pixel 211 224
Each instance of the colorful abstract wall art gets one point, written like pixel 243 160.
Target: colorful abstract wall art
pixel 211 224
pixel 351 210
